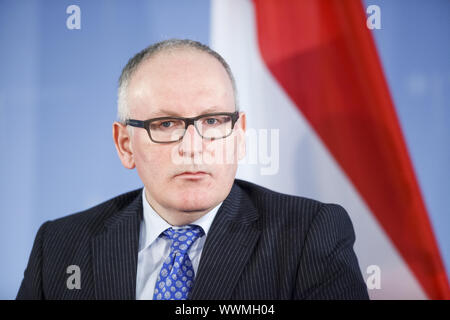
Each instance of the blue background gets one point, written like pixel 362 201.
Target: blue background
pixel 58 102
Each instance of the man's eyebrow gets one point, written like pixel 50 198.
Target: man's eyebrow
pixel 163 112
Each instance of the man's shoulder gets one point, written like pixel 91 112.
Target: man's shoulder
pixel 261 195
pixel 93 219
pixel 286 206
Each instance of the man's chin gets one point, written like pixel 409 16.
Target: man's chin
pixel 192 202
pixel 194 210
pixel 196 197
pixel 195 206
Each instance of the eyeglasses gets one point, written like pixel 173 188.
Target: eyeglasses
pixel 209 126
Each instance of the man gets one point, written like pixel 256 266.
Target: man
pixel 193 231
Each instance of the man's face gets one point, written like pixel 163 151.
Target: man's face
pixel 184 83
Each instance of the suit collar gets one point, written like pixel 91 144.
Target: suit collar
pixel 131 210
pixel 238 207
pixel 233 236
pixel 115 253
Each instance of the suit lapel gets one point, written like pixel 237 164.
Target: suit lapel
pixel 228 247
pixel 115 252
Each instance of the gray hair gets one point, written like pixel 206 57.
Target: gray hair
pixel 123 110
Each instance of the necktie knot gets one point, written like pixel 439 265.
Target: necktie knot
pixel 186 235
pixel 183 238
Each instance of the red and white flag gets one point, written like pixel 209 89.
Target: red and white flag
pixel 309 76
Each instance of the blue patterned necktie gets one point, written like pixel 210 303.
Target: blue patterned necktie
pixel 176 277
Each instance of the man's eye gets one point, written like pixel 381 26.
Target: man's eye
pixel 211 121
pixel 166 124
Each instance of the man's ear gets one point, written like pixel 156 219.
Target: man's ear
pixel 241 127
pixel 122 140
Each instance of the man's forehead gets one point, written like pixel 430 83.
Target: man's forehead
pixel 171 88
pixel 178 71
pixel 177 112
pixel 179 56
pixel 150 104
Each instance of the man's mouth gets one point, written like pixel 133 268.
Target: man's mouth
pixel 192 175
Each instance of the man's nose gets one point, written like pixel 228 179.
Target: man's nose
pixel 192 142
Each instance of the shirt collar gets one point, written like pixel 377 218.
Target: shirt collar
pixel 153 225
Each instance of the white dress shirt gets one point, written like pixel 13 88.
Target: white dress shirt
pixel 153 250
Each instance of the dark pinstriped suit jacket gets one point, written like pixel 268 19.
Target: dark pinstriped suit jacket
pixel 261 245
